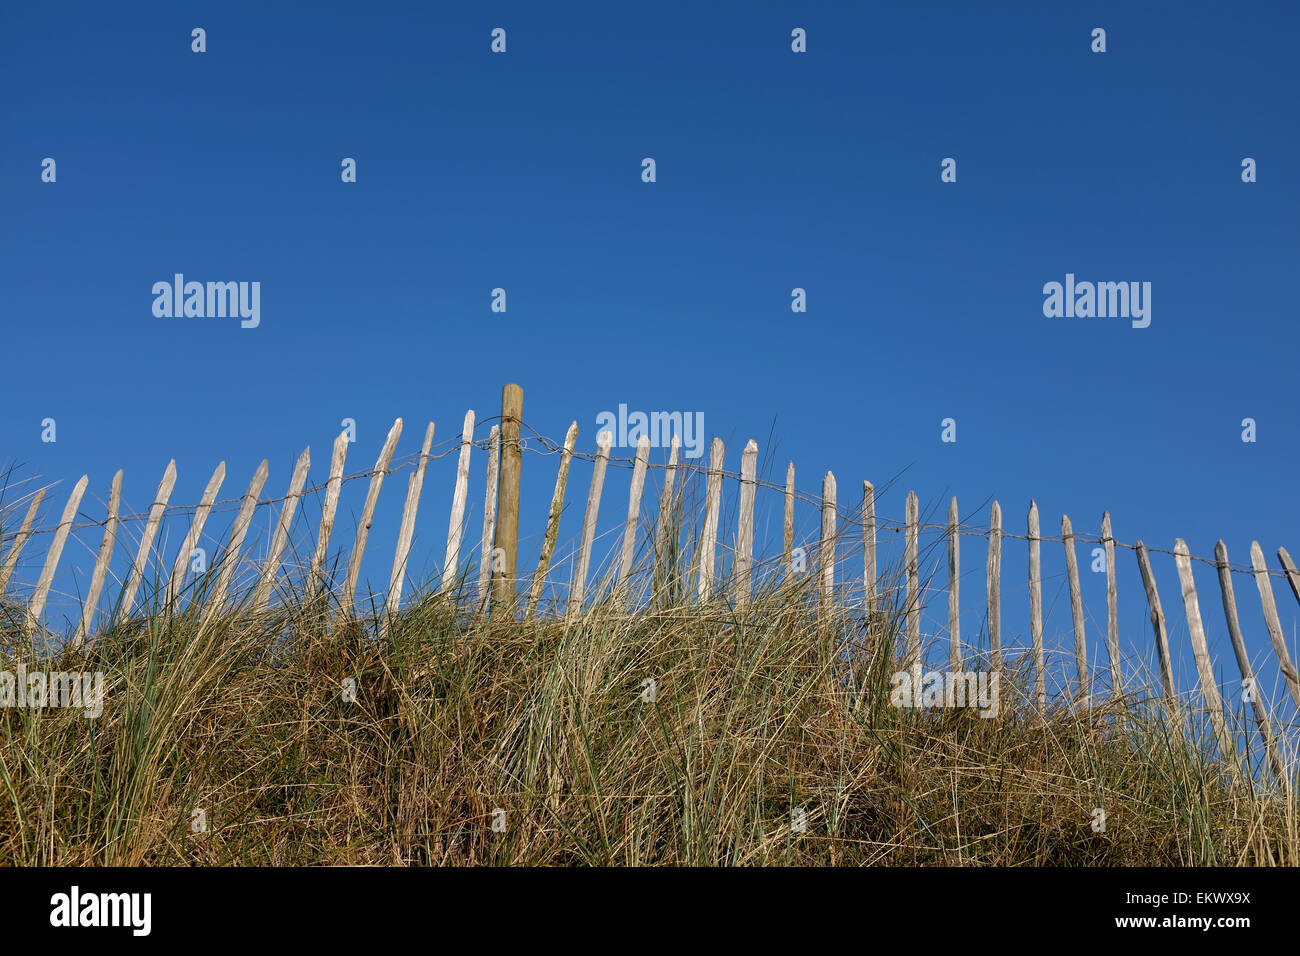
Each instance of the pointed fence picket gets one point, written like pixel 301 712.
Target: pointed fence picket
pixel 553 520
pixel 185 557
pixel 954 589
pixel 712 509
pixel 333 488
pixel 579 587
pixel 1112 607
pixel 456 526
pixel 161 497
pixel 229 560
pixel 271 567
pixel 55 552
pixel 347 598
pixel 1076 610
pixel 86 625
pixel 406 534
pixel 486 556
pixel 665 559
pixel 745 524
pixel 622 583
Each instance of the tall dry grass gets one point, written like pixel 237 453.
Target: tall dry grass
pixel 755 715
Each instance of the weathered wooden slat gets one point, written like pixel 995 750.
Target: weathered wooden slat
pixel 333 488
pixel 52 556
pixel 21 539
pixel 826 547
pixel 869 545
pixel 712 510
pixel 185 555
pixel 788 533
pixel 156 510
pixel 406 531
pixel 578 589
pixel 456 526
pixel 1112 608
pixel 102 560
pixel 1076 611
pixel 665 562
pixel 1201 652
pixel 1274 625
pixel 745 524
pixel 348 597
pixel 954 593
pixel 486 556
pixel 280 537
pixel 1036 610
pixel 623 583
pixel 1157 622
pixel 238 530
pixel 911 562
pixel 994 593
pixel 552 522
pixel 1250 688
pixel 1292 575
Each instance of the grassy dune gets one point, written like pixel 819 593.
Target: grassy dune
pixel 755 715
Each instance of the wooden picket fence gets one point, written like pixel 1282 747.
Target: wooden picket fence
pixel 501 588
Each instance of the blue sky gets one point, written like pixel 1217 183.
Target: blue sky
pixel 775 170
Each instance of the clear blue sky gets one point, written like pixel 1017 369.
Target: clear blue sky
pixel 775 170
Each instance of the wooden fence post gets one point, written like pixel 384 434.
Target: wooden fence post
pixel 280 538
pixel 745 524
pixel 578 589
pixel 1036 610
pixel 1157 622
pixel 230 556
pixel 1112 608
pixel 21 539
pixel 55 552
pixel 663 572
pixel 712 507
pixel 995 586
pixel 1076 611
pixel 406 531
pixel 552 522
pixel 146 540
pixel 86 626
pixel 1201 652
pixel 622 583
pixel 826 548
pixel 191 541
pixel 911 561
pixel 333 487
pixel 954 576
pixel 505 581
pixel 1250 691
pixel 456 526
pixel 347 598
pixel 1274 625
